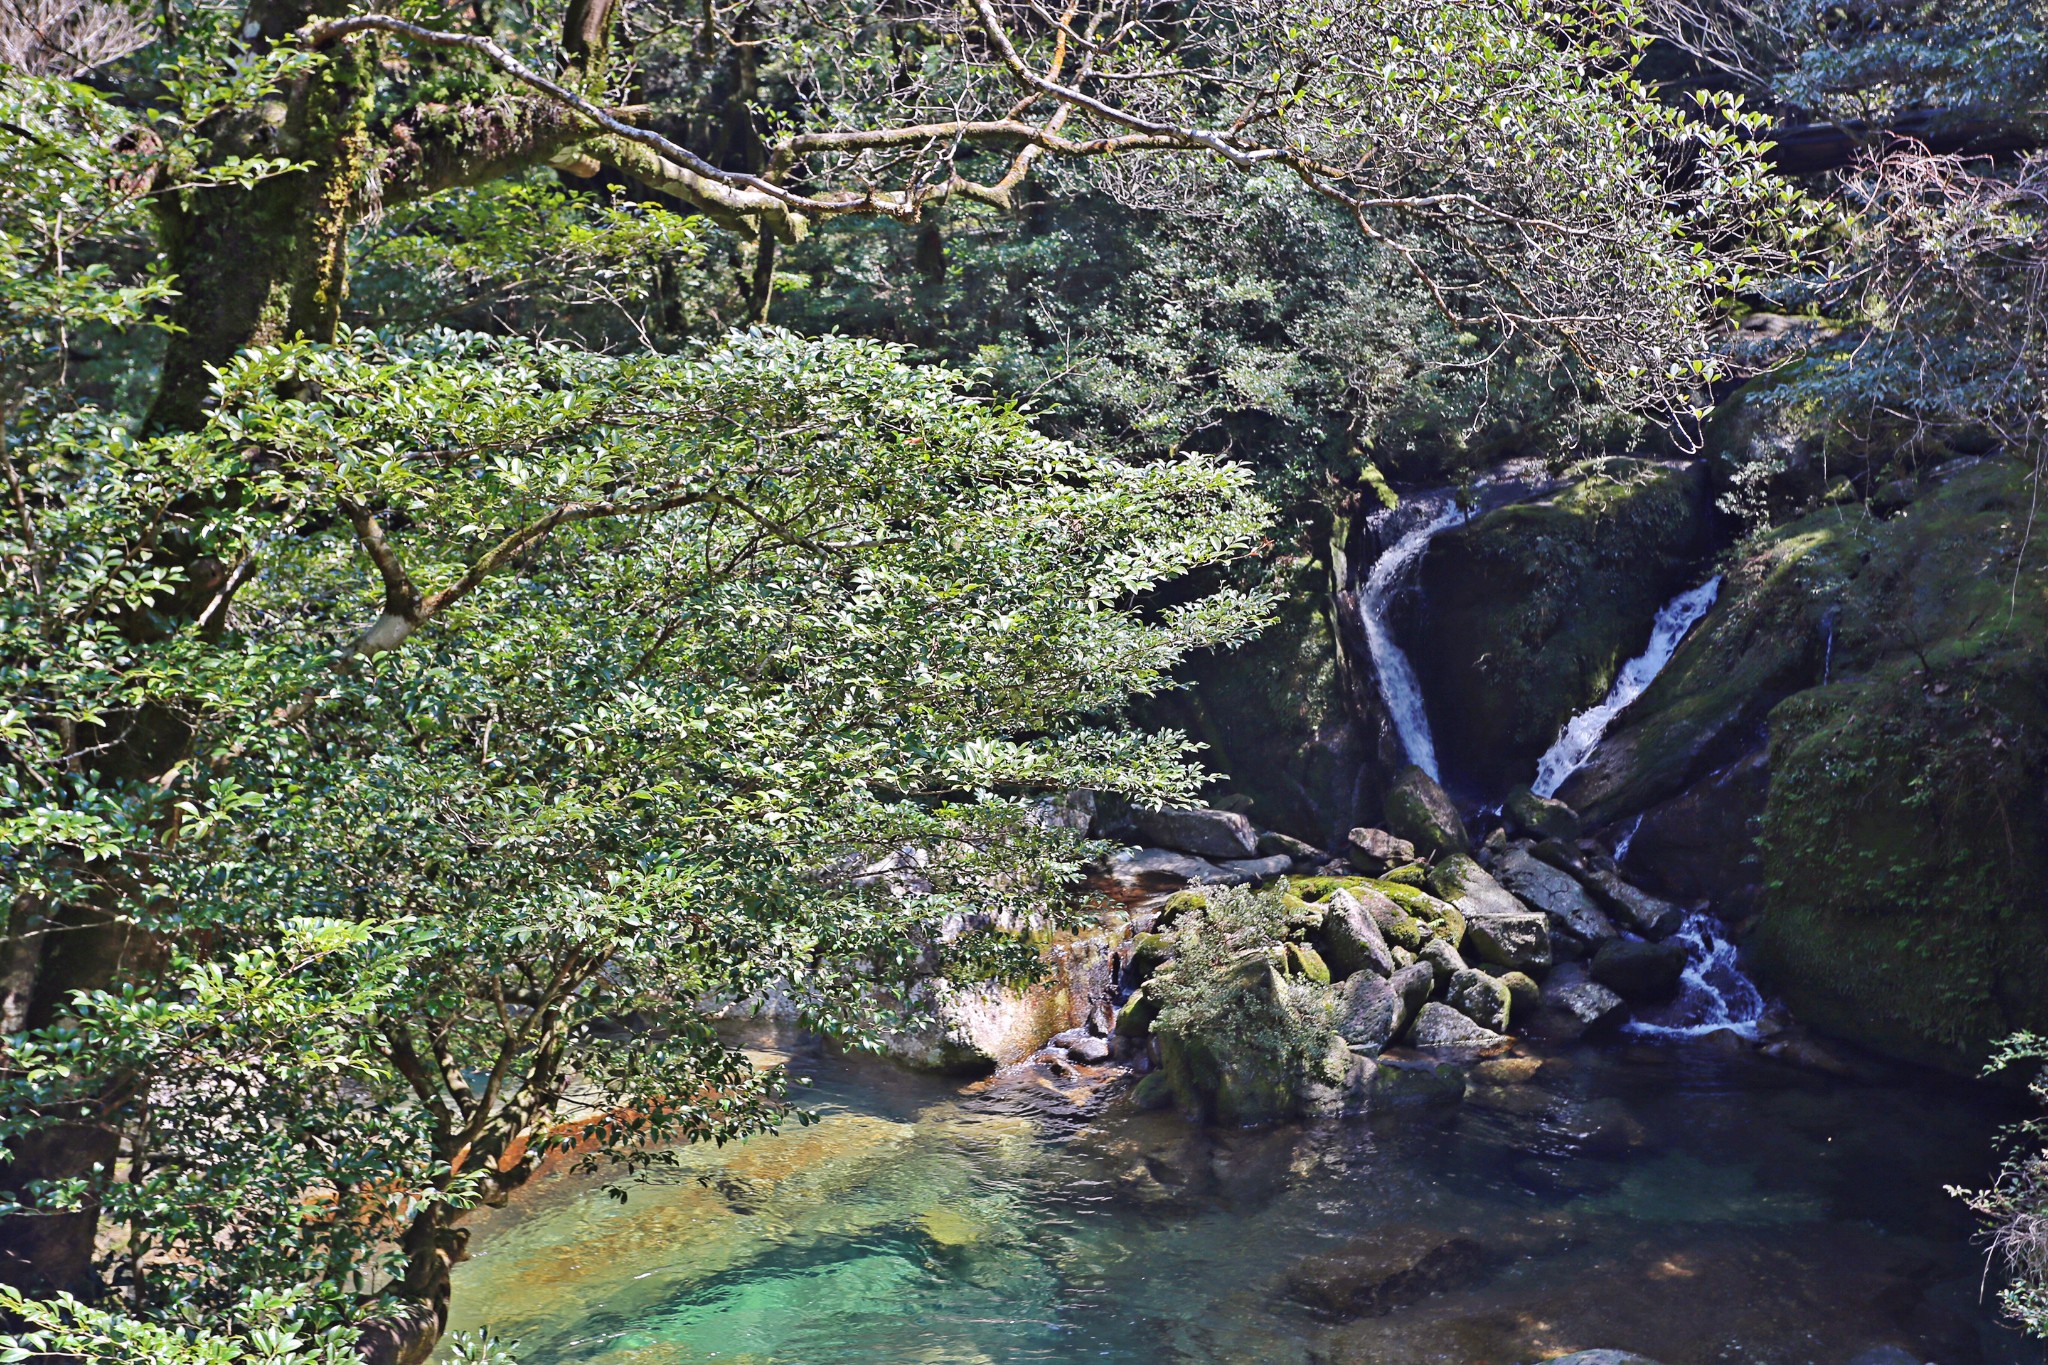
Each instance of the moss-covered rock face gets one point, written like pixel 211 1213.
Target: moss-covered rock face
pixel 1418 811
pixel 1274 712
pixel 1529 611
pixel 1905 838
pixel 1766 638
pixel 1896 668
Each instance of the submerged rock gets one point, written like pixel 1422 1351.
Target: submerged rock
pixel 1204 833
pixel 1378 1273
pixel 1153 1091
pixel 1403 1082
pixel 1418 810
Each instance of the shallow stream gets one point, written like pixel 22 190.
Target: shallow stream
pixel 1676 1199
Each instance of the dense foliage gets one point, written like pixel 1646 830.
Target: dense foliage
pixel 451 641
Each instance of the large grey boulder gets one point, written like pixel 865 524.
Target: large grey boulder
pixel 1498 927
pixel 1438 1025
pixel 1350 938
pixel 1204 833
pixel 1417 810
pixel 1651 916
pixel 1573 1004
pixel 1373 851
pixel 1483 999
pixel 1073 811
pixel 1639 971
pixel 1272 843
pixel 1554 892
pixel 1370 1012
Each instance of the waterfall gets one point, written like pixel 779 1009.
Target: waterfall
pixel 1584 730
pixel 1713 993
pixel 1399 688
pixel 1628 837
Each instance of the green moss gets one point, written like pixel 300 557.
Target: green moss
pixel 1905 852
pixel 1180 904
pixel 1315 890
pixel 1241 1040
pixel 1534 607
pixel 1305 961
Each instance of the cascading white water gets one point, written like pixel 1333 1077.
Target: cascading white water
pixel 1713 994
pixel 1399 688
pixel 1583 731
pixel 1628 837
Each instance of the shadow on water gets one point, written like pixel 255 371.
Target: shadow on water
pixel 1689 1204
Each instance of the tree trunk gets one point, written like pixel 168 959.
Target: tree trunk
pixel 268 264
pixel 255 266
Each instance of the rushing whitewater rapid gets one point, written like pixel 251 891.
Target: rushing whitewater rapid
pixel 1583 731
pixel 1399 688
pixel 1713 993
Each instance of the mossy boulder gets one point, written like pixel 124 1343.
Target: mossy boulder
pixel 1905 837
pixel 1874 694
pixel 1543 816
pixel 1304 961
pixel 1417 810
pixel 1179 904
pixel 1498 927
pixel 1528 612
pixel 1233 1084
pixel 1765 638
pixel 1351 936
pixel 1483 999
pixel 1440 917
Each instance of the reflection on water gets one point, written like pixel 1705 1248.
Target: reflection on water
pixel 1688 1204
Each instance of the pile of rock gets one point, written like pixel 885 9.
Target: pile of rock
pixel 1425 946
